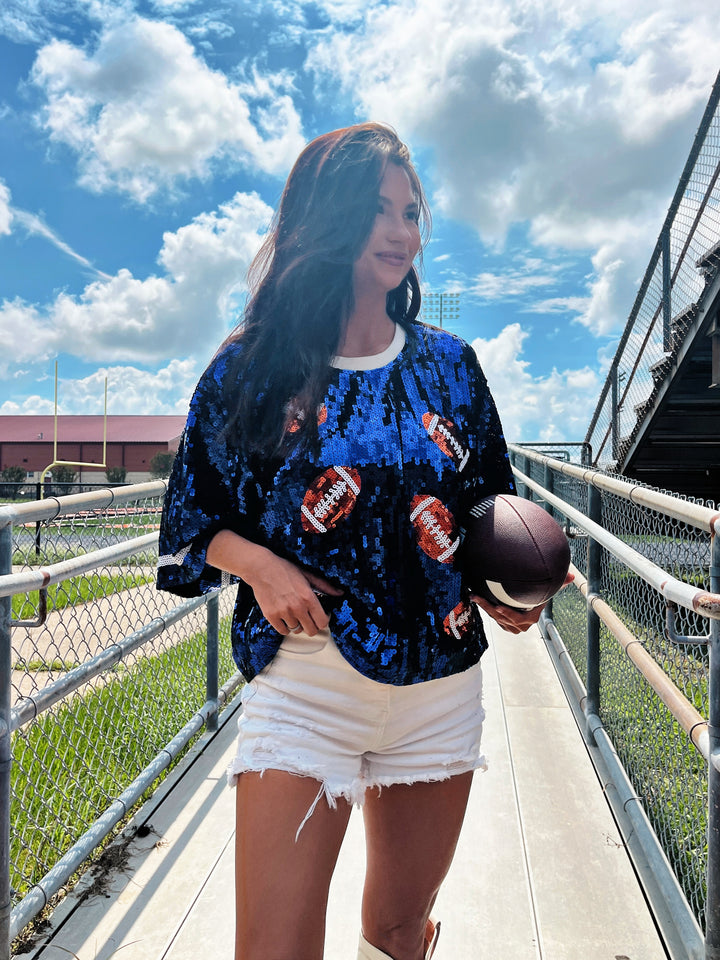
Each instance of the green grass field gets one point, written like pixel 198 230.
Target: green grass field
pixel 665 768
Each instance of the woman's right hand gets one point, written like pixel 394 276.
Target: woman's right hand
pixel 284 592
pixel 286 595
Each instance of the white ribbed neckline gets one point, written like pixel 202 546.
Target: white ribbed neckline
pixel 377 359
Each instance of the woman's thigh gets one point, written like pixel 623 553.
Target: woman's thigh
pixel 411 834
pixel 282 876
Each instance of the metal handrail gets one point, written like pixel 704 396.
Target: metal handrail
pixel 12 718
pixel 674 590
pixel 703 733
pixel 53 507
pixel 41 577
pixel 677 920
pixel 40 895
pixel 689 718
pixel 697 515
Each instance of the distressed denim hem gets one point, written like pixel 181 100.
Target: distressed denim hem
pixel 355 792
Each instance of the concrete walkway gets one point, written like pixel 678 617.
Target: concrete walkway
pixel 540 872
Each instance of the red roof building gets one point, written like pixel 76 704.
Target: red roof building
pixel 132 442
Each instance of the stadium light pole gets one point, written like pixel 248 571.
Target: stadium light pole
pixel 440 307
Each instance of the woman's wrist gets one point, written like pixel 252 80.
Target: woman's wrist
pixel 235 554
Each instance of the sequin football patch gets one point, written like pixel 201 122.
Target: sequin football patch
pixel 445 434
pixel 330 498
pixel 435 528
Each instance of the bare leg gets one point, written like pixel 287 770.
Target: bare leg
pixel 282 885
pixel 411 834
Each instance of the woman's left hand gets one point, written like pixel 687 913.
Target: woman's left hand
pixel 511 618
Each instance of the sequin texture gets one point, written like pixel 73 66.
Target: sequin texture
pixel 404 451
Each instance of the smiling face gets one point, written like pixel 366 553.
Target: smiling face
pixel 394 240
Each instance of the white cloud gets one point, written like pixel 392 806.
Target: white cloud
pixel 186 311
pixel 340 13
pixel 345 11
pixel 572 117
pixel 24 333
pixel 34 404
pixel 622 246
pixel 508 284
pixel 35 21
pixel 559 305
pixel 21 21
pixel 36 226
pixel 143 111
pixel 164 5
pixel 5 209
pixel 548 408
pixel 204 25
pixel 663 65
pixel 130 390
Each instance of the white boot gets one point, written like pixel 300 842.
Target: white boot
pixel 366 951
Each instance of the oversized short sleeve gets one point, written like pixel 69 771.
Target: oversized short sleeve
pixel 210 489
pixel 490 472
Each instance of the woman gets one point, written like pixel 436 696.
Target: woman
pixel 330 448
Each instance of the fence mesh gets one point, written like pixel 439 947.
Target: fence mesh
pixel 665 768
pixel 655 333
pixel 70 762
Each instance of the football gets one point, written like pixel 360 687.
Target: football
pixel 436 531
pixel 330 498
pixel 513 552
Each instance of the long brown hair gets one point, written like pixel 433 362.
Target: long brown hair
pixel 301 281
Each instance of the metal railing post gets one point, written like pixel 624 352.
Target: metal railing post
pixel 666 290
pixel 712 913
pixel 526 491
pixel 5 746
pixel 514 463
pixel 213 638
pixel 38 523
pixel 615 438
pixel 549 484
pixel 592 705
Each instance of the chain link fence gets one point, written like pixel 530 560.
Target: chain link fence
pixel 73 759
pixel 685 261
pixel 666 769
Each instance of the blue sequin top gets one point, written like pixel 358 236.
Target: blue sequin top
pixel 404 451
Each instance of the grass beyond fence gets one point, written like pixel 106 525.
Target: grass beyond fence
pixel 664 766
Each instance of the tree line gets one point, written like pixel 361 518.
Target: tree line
pixel 14 477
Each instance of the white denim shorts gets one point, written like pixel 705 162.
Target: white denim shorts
pixel 310 713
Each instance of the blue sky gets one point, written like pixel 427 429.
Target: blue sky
pixel 143 146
